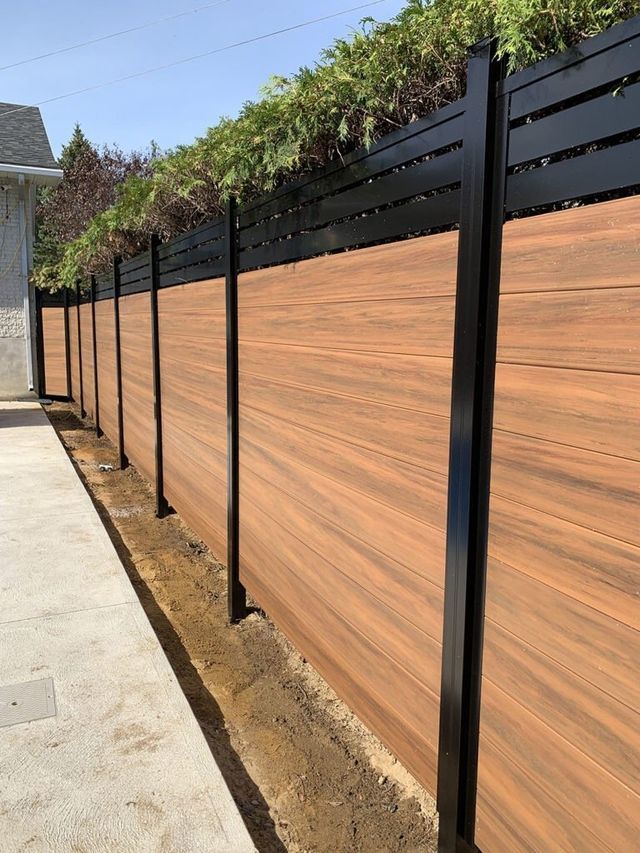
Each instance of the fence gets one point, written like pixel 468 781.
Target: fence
pixel 421 456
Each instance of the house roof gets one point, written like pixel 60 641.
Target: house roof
pixel 23 139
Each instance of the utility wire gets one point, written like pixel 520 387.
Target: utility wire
pixel 192 58
pixel 98 39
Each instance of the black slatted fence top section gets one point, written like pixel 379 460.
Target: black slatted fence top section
pixel 52 300
pixel 194 256
pixel 407 183
pixel 135 275
pixel 574 131
pixel 574 137
pixel 104 287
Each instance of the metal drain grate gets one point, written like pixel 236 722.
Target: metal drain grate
pixel 23 703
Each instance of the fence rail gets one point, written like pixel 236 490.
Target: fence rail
pixel 401 398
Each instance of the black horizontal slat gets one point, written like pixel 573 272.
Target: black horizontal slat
pixel 382 157
pixel 599 70
pixel 612 168
pixel 107 293
pixel 142 286
pixel 200 254
pixel 603 41
pixel 213 269
pixel 434 212
pixel 429 122
pixel 135 275
pixel 133 264
pixel 414 180
pixel 52 300
pixel 208 231
pixel 592 121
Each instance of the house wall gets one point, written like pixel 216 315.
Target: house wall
pixel 14 379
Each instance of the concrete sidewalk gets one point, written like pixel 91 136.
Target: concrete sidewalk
pixel 123 765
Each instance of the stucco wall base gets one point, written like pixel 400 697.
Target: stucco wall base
pixel 13 369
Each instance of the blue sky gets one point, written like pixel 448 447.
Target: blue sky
pixel 174 105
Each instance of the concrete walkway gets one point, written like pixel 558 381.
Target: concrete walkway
pixel 122 765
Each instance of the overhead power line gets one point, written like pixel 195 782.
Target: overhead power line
pixel 196 56
pixel 98 39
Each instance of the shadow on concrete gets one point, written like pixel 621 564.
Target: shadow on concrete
pixel 12 418
pixel 205 709
pixel 68 420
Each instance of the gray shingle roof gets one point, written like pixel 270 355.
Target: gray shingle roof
pixel 23 139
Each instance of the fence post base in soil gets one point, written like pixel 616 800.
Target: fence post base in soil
pixel 123 461
pixel 96 399
pixel 82 411
pixel 236 593
pixel 481 219
pixel 162 505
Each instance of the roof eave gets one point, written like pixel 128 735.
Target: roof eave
pixel 40 175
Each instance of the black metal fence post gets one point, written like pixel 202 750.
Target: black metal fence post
pixel 162 506
pixel 236 593
pixel 67 342
pixel 482 215
pixel 40 357
pixel 82 411
pixel 96 398
pixel 122 457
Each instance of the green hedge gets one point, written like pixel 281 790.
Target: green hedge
pixel 384 76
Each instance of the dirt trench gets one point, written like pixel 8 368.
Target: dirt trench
pixel 306 775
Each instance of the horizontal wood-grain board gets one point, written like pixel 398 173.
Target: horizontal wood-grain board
pixel 595 246
pixel 192 336
pixel 588 409
pixel 581 329
pixel 417 545
pixel 137 382
pixel 55 351
pixel 345 390
pixel 514 813
pixel 376 612
pixel 360 672
pixel 593 490
pixel 584 790
pixel 560 720
pixel 423 266
pixel 73 349
pixel 371 474
pixel 418 438
pixel 106 352
pixel 416 382
pixel 86 340
pixel 420 326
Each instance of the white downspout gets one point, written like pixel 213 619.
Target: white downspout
pixel 24 274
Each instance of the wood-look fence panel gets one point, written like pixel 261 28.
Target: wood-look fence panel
pixel 106 350
pixel 55 351
pixel 339 386
pixel 86 343
pixel 137 382
pixel 564 546
pixel 73 352
pixel 194 419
